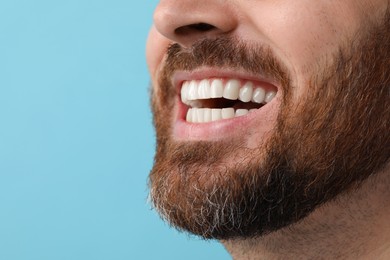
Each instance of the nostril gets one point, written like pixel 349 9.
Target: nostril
pixel 203 27
pixel 193 28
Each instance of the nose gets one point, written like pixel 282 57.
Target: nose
pixel 186 21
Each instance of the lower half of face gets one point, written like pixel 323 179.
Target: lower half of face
pixel 326 143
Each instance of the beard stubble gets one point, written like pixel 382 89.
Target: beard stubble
pixel 334 139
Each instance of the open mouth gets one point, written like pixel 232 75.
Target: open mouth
pixel 215 99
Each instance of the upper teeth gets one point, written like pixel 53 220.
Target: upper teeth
pixel 232 89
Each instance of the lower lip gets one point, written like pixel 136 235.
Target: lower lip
pixel 262 119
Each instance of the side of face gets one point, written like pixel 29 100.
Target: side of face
pixel 301 33
pixel 286 155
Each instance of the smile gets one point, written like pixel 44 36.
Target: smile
pixel 215 104
pixel 215 99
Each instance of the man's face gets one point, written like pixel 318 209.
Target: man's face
pixel 265 110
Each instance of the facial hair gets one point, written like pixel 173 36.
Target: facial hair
pixel 327 144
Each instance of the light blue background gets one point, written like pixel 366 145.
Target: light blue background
pixel 76 137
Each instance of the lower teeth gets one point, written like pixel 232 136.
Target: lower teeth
pixel 205 115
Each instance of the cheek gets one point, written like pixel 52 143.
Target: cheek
pixel 301 33
pixel 304 34
pixel 156 47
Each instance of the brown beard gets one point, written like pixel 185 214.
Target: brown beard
pixel 335 138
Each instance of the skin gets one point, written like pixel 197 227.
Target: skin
pixel 297 40
pixel 303 35
pixel 356 227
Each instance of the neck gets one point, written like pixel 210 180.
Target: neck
pixel 354 226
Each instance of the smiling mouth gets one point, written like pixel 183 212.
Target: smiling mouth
pixel 215 99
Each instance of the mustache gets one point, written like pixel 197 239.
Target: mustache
pixel 226 52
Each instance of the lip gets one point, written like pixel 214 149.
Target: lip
pixel 262 120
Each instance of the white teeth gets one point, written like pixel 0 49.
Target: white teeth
pixel 216 88
pixel 200 115
pixel 194 103
pixel 246 92
pixel 194 116
pixel 269 96
pixel 216 114
pixel 241 112
pixel 204 89
pixel 227 113
pixel 189 115
pixel 258 95
pixel 192 93
pixel 232 89
pixel 205 115
pixel 184 92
